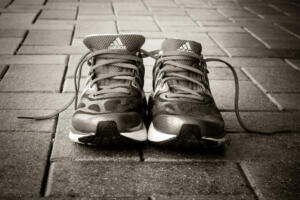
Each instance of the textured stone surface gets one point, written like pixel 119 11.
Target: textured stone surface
pixel 23 159
pixel 64 149
pixel 251 62
pixel 174 20
pixel 34 59
pixel 29 78
pixel 9 45
pixel 241 147
pixel 288 101
pixel 206 15
pixel 279 79
pixel 147 25
pixel 144 179
pixel 295 63
pixel 48 37
pixel 3 69
pixel 58 14
pixel 33 101
pixel 87 28
pixel 264 121
pixel 236 40
pixel 10 122
pixel 222 73
pixel 251 98
pixel 51 50
pixel 274 180
pixel 5 33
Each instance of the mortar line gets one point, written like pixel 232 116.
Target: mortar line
pixel 250 180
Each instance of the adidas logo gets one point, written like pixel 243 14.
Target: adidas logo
pixel 117 44
pixel 185 47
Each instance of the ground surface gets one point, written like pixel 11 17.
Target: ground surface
pixel 40 44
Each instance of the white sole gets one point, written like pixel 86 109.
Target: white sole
pixel 157 136
pixel 138 135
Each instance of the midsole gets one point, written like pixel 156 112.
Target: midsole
pixel 139 135
pixel 155 135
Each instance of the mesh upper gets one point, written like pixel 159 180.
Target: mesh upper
pixel 129 42
pixel 186 46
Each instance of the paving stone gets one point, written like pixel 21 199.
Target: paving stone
pixel 10 122
pixel 160 4
pixel 12 33
pixel 51 50
pixel 282 44
pixel 4 3
pixel 54 22
pixel 263 10
pixel 33 78
pixel 287 101
pixel 264 121
pixel 222 73
pixel 9 45
pixel 3 69
pixel 269 33
pixel 48 37
pixel 295 63
pixel 129 6
pixel 74 60
pixel 233 12
pixel 125 25
pixel 87 28
pixel 133 179
pixel 64 149
pixel 274 180
pixel 251 98
pixel 34 59
pixel 220 24
pixel 39 2
pixel 56 26
pixel 241 147
pixel 188 29
pixel 218 29
pixel 252 52
pixel 167 11
pixel 295 28
pixel 58 14
pixel 279 79
pixel 236 40
pixel 174 20
pixel 99 9
pixel 206 15
pixel 33 101
pixel 251 62
pixel 23 159
pixel 15 19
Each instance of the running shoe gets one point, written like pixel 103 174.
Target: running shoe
pixel 182 107
pixel 112 104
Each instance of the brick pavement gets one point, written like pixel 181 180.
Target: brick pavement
pixel 40 44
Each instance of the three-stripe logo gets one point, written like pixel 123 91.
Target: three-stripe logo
pixel 185 47
pixel 117 44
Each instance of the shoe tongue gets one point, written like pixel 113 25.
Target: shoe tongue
pixel 181 45
pixel 130 42
pixel 184 46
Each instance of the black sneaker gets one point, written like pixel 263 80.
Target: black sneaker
pixel 112 104
pixel 182 106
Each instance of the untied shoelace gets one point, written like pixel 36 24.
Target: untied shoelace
pixel 170 59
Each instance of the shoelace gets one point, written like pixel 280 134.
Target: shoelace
pixel 110 57
pixel 186 92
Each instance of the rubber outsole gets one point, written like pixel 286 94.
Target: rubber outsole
pixel 189 135
pixel 108 134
